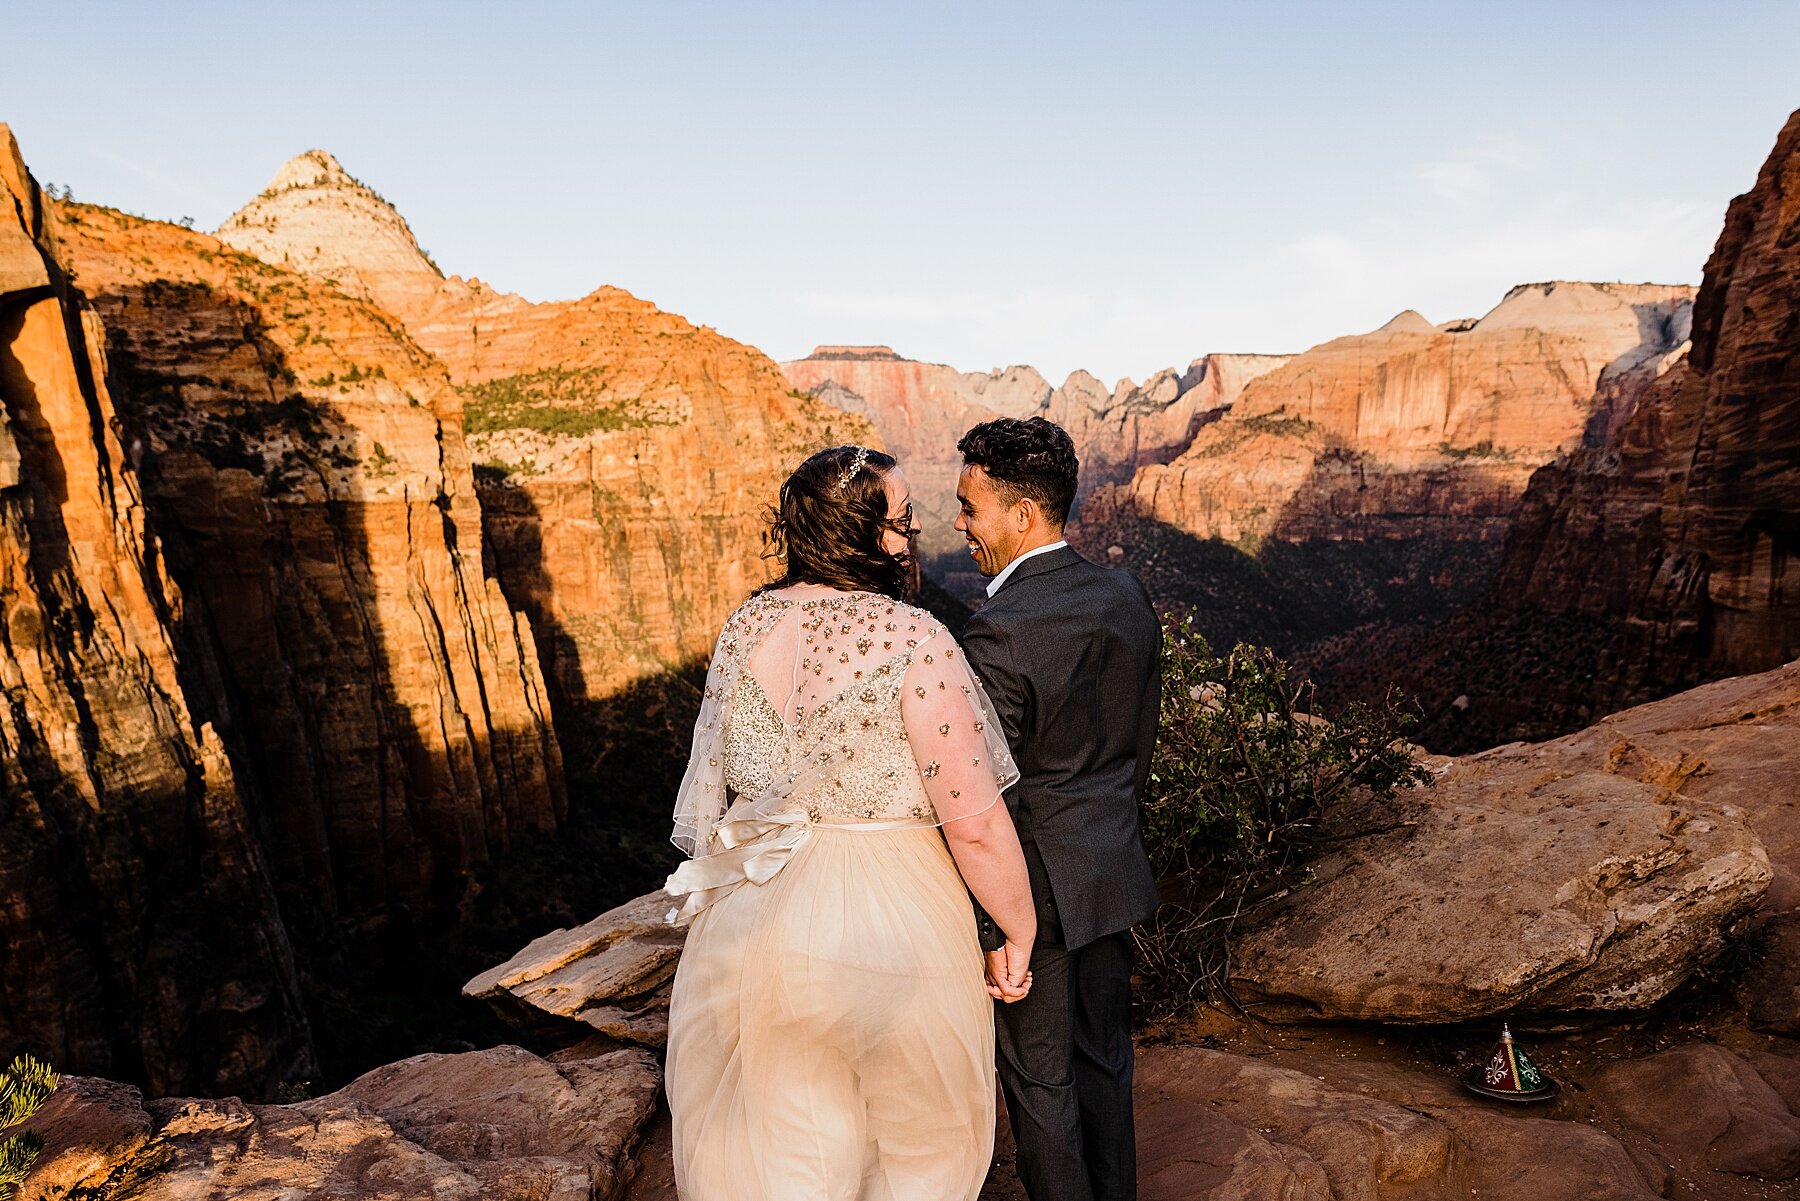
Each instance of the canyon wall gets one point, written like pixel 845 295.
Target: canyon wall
pixel 317 716
pixel 1664 555
pixel 141 933
pixel 624 455
pixel 922 409
pixel 1686 523
pixel 1417 430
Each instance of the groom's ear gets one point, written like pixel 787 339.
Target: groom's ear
pixel 1025 513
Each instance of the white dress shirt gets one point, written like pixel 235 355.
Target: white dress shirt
pixel 995 584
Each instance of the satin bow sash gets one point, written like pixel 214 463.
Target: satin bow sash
pixel 756 847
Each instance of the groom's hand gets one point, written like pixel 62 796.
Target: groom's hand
pixel 1009 973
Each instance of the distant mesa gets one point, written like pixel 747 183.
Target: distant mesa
pixel 1413 430
pixel 854 353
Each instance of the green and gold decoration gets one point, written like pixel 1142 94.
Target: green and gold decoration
pixel 1507 1074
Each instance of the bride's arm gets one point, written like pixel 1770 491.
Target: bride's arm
pixel 986 849
pixel 964 763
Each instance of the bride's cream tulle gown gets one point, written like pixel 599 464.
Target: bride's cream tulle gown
pixel 830 1038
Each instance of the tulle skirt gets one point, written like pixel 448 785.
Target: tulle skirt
pixel 829 1035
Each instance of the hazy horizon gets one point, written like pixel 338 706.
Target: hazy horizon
pixel 1117 190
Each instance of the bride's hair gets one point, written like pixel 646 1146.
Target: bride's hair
pixel 827 527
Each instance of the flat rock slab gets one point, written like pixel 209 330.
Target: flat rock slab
pixel 1593 872
pixel 611 974
pixel 495 1123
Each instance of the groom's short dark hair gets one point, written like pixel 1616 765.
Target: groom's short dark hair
pixel 1034 458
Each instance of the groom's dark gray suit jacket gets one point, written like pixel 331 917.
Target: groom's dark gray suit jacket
pixel 1070 653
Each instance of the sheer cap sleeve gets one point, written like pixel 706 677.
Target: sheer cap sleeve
pixel 957 743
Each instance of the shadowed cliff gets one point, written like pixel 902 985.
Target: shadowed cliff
pixel 1667 554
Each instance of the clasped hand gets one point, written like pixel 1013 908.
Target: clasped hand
pixel 1009 972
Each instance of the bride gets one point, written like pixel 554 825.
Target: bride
pixel 831 1036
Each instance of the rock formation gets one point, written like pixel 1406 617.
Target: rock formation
pixel 141 932
pixel 1694 507
pixel 613 974
pixel 922 409
pixel 1413 430
pixel 495 1123
pixel 1594 872
pixel 284 700
pixel 1666 554
pixel 624 456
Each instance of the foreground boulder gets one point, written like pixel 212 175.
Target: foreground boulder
pixel 1594 872
pixel 1708 1106
pixel 495 1123
pixel 612 974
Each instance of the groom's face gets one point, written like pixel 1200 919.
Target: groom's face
pixel 987 522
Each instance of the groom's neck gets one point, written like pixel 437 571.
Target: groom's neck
pixel 1035 540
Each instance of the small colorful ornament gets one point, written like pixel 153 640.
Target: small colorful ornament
pixel 1507 1074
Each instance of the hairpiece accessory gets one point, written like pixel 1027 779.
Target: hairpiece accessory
pixel 856 464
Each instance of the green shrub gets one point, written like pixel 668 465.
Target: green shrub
pixel 24 1087
pixel 1244 777
pixel 571 402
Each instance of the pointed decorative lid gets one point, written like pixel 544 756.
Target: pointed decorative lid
pixel 1508 1074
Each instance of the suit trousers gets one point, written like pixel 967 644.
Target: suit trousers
pixel 1065 1065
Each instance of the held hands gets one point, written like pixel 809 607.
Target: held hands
pixel 1009 972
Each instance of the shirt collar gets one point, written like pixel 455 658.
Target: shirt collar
pixel 994 585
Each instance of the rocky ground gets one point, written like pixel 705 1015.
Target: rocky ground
pixel 1625 896
pixel 1639 938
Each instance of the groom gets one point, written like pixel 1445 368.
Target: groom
pixel 1070 655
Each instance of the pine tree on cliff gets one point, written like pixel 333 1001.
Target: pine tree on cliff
pixel 23 1088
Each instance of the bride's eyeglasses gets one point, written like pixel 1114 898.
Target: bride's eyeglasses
pixel 902 522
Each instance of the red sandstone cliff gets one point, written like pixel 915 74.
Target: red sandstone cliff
pixel 1694 507
pixel 141 933
pixel 1415 429
pixel 318 560
pixel 922 409
pixel 1664 556
pixel 624 455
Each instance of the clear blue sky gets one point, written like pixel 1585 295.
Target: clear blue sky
pixel 1113 186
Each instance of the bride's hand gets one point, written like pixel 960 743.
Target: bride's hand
pixel 1009 972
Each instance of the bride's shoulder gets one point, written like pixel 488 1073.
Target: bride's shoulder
pixel 920 621
pixel 759 608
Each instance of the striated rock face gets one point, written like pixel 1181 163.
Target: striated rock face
pixel 303 464
pixel 141 930
pixel 1414 430
pixel 922 409
pixel 494 1123
pixel 1694 504
pixel 1594 872
pixel 624 455
pixel 1659 558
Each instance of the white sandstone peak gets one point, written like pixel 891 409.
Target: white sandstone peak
pixel 317 218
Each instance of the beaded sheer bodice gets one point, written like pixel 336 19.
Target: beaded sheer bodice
pixel 846 709
pixel 875 778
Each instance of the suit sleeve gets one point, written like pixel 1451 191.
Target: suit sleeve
pixel 989 650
